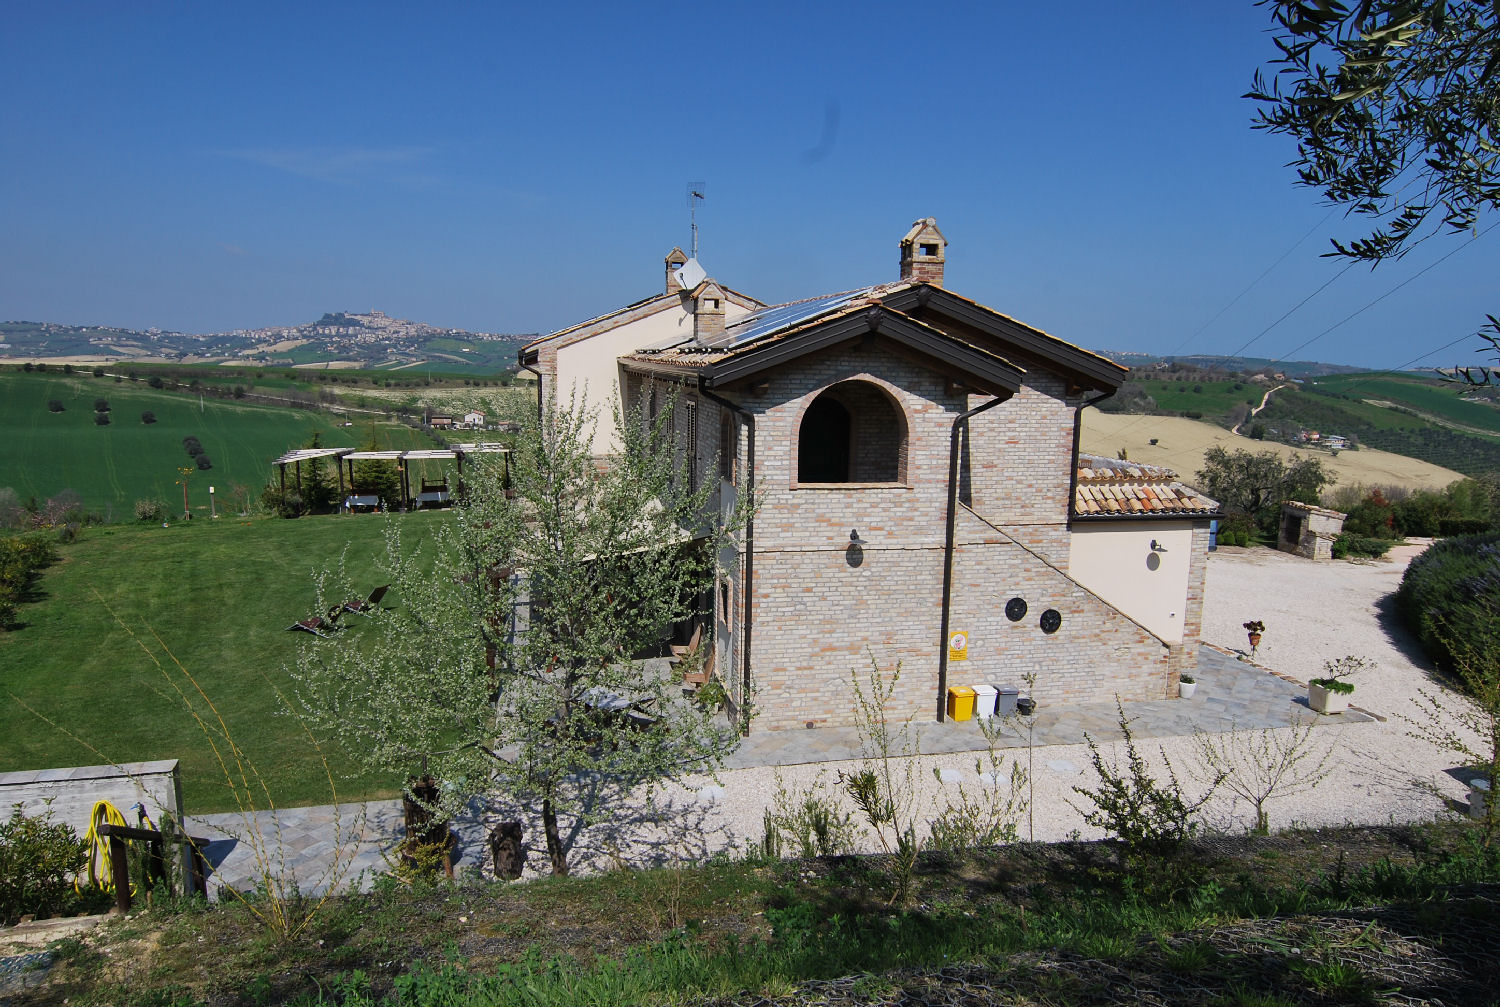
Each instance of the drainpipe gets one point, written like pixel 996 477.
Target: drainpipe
pixel 521 360
pixel 749 587
pixel 1077 438
pixel 958 424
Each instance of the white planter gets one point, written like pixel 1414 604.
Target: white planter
pixel 1185 690
pixel 1326 701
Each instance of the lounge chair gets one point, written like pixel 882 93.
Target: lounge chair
pixel 367 605
pixel 695 679
pixel 681 653
pixel 319 625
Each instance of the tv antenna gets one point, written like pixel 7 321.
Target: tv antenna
pixel 694 197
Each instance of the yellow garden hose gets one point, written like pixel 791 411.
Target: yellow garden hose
pixel 100 874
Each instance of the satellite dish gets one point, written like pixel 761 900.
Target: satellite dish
pixel 690 275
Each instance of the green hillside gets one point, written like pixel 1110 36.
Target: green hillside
pixel 110 467
pixel 220 594
pixel 1422 395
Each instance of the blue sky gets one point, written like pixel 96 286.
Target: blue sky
pixel 516 168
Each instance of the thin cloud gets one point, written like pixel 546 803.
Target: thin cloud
pixel 334 164
pixel 232 249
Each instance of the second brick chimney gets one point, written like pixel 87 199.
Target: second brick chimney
pixel 923 252
pixel 708 311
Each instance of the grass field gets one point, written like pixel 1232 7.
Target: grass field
pixel 1428 396
pixel 1181 443
pixel 110 467
pixel 220 594
pixel 1213 399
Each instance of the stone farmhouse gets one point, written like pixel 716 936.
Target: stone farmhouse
pixel 922 497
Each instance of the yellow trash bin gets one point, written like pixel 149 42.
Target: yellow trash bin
pixel 960 702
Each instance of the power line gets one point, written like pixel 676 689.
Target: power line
pixel 1251 286
pixel 1356 313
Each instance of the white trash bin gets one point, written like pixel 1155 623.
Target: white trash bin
pixel 984 701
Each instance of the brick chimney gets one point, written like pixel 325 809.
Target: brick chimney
pixel 708 311
pixel 676 259
pixel 923 252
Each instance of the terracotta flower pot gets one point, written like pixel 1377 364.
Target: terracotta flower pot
pixel 1254 641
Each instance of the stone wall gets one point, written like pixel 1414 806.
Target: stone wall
pixel 69 794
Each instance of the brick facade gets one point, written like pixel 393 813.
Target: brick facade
pixel 823 607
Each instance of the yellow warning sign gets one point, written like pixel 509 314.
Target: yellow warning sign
pixel 958 645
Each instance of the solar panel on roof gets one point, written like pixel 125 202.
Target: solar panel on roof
pixel 765 322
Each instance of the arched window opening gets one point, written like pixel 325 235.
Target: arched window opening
pixel 852 433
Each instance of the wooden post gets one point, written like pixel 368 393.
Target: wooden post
pixel 282 466
pixel 119 869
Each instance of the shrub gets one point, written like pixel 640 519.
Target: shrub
pixel 154 381
pixel 1447 592
pixel 148 417
pixel 149 510
pixel 102 419
pixel 193 446
pixel 55 405
pixel 101 405
pixel 1347 544
pixel 38 859
pixel 283 504
pixel 1372 517
pixel 1150 818
pixel 1449 527
pixel 20 559
pixel 98 372
pixel 204 464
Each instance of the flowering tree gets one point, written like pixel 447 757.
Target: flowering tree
pixel 512 658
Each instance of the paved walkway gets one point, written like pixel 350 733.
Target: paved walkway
pixel 1231 693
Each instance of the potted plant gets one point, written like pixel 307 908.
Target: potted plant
pixel 1330 694
pixel 1186 686
pixel 1254 628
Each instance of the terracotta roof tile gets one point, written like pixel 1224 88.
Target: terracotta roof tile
pixel 1110 486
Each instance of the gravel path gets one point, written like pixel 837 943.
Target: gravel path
pixel 1314 612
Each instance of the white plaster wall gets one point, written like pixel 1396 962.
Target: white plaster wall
pixel 588 369
pixel 1113 560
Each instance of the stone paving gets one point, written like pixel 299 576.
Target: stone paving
pixel 1231 693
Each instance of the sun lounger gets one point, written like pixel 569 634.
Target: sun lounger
pixel 319 625
pixel 367 605
pixel 369 501
pixel 681 653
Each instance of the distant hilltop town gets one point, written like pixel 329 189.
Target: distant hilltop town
pixel 338 339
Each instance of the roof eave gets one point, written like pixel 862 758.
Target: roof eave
pixel 1096 371
pixel 984 370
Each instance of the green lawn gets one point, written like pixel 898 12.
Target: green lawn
pixel 220 594
pixel 110 467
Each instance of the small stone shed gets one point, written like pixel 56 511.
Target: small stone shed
pixel 1308 530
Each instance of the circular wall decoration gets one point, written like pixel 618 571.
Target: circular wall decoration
pixel 1051 619
pixel 1015 609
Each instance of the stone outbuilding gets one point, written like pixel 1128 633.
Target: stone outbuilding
pixel 921 494
pixel 1308 530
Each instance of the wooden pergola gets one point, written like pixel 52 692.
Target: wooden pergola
pixel 402 459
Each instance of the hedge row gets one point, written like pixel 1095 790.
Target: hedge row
pixel 1452 593
pixel 20 558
